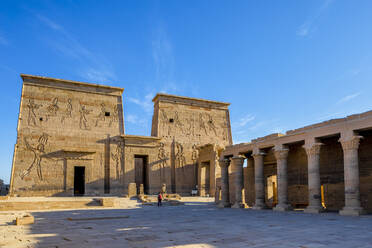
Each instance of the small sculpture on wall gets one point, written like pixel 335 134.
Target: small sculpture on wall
pixel 202 124
pixel 162 156
pixel 31 119
pixel 39 152
pixel 68 113
pixel 180 158
pixel 102 115
pixel 83 124
pixel 52 109
pixel 118 157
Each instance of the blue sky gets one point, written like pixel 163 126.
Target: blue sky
pixel 281 64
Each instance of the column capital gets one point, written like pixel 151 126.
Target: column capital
pixel 258 154
pixel 313 149
pixel 351 143
pixel 224 162
pixel 238 160
pixel 281 153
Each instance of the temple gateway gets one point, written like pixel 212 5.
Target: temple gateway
pixel 71 141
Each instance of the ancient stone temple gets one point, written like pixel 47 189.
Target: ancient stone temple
pixel 71 141
pixel 322 167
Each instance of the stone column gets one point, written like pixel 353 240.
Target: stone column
pixel 225 198
pixel 281 160
pixel 313 154
pixel 238 162
pixel 259 182
pixel 351 176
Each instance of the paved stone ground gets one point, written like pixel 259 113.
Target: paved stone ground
pixel 196 224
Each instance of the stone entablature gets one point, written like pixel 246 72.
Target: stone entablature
pixel 344 127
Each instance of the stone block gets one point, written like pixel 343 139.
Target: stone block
pixel 132 190
pixel 108 202
pixel 25 220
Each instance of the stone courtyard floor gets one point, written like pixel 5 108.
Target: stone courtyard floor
pixel 198 223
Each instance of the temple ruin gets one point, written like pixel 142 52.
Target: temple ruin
pixel 71 141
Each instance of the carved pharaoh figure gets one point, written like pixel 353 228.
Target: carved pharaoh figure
pixel 52 109
pixel 68 113
pixel 102 115
pixel 118 157
pixel 162 156
pixel 115 115
pixel 202 124
pixel 211 125
pixel 31 119
pixel 180 158
pixel 83 123
pixel 38 152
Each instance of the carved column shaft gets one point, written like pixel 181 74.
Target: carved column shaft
pixel 238 162
pixel 281 159
pixel 313 155
pixel 259 183
pixel 351 176
pixel 225 198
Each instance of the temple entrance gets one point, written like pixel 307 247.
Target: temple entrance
pixel 204 178
pixel 271 190
pixel 141 174
pixel 79 180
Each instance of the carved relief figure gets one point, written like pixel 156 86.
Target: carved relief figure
pixel 102 115
pixel 38 152
pixel 31 119
pixel 117 157
pixel 194 154
pixel 224 131
pixel 52 109
pixel 115 115
pixel 180 158
pixel 83 124
pixel 202 124
pixel 68 113
pixel 164 118
pixel 178 124
pixel 211 125
pixel 162 156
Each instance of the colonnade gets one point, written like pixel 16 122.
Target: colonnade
pixel 350 145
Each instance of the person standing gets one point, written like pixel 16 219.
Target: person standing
pixel 160 198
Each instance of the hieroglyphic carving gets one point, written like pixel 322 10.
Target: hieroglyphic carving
pixel 38 152
pixel 118 157
pixel 115 115
pixel 31 119
pixel 83 124
pixel 102 115
pixel 68 112
pixel 194 154
pixel 202 124
pixel 52 109
pixel 177 123
pixel 162 156
pixel 211 125
pixel 180 158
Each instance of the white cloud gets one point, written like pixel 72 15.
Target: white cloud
pixel 145 103
pixel 307 27
pixel 348 98
pixel 134 119
pixel 92 67
pixel 162 53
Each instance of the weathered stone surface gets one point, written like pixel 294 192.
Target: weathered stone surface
pixel 25 220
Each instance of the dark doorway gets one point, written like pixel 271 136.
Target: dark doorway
pixel 141 174
pixel 79 180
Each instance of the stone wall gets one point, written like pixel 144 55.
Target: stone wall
pixel 62 125
pixel 184 124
